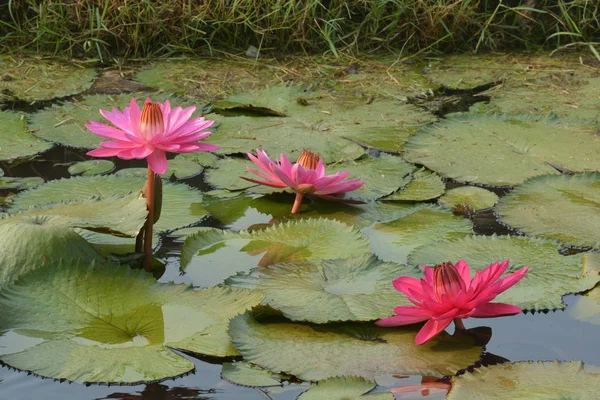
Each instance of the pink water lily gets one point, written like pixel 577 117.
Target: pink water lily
pixel 150 133
pixel 448 293
pixel 305 177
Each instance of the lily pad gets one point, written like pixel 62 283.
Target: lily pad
pixel 505 150
pixel 34 79
pixel 92 167
pixel 550 274
pixel 64 123
pixel 315 352
pixel 394 240
pixel 423 185
pixel 183 169
pixel 226 172
pixel 13 183
pixel 181 206
pixel 16 141
pixel 133 172
pixel 353 289
pixel 562 207
pixel 210 256
pixel 107 323
pixel 471 197
pixel 528 380
pixel 246 374
pixel 340 388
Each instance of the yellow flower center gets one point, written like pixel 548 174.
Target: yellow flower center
pixel 308 159
pixel 151 121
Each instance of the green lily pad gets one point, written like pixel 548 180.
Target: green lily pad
pixel 183 169
pixel 471 197
pixel 132 172
pixel 16 141
pixel 340 388
pixel 107 323
pixel 394 240
pixel 92 167
pixel 382 175
pixel 210 256
pixel 562 207
pixel 276 100
pixel 424 185
pixel 587 307
pixel 33 79
pixel 64 123
pixel 204 158
pixel 550 274
pixel 528 380
pixel 13 183
pixel 315 352
pixel 246 374
pixel 181 205
pixel 353 289
pixel 505 150
pixel 226 172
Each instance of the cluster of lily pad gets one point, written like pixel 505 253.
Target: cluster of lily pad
pixel 294 295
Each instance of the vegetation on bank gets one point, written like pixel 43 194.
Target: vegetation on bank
pixel 143 28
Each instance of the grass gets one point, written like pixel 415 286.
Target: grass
pixel 108 29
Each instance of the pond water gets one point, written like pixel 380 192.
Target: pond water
pixel 553 335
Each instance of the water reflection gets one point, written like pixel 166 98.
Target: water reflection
pixel 157 391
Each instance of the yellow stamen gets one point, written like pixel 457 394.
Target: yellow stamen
pixel 308 159
pixel 151 121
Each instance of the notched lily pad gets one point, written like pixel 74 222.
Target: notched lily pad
pixel 16 141
pixel 91 167
pixel 550 274
pixel 246 374
pixel 423 185
pixel 107 323
pixel 561 207
pixel 468 198
pixel 340 388
pixel 13 183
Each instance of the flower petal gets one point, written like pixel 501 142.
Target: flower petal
pixel 431 328
pixel 158 161
pixel 404 318
pixel 495 309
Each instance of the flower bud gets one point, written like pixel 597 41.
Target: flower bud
pixel 446 280
pixel 151 121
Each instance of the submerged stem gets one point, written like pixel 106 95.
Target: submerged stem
pixel 458 324
pixel 149 221
pixel 297 202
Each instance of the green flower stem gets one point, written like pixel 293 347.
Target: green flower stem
pixel 149 221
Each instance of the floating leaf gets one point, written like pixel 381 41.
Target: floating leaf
pixel 276 100
pixel 183 169
pixel 29 182
pixel 471 197
pixel 64 123
pixel 315 352
pixel 16 141
pixel 106 323
pixel 562 207
pixel 394 240
pixel 424 185
pixel 339 388
pixel 91 167
pixel 33 79
pixel 133 172
pixel 550 274
pixel 353 289
pixel 209 257
pixel 246 374
pixel 528 380
pixel 226 172
pixel 501 150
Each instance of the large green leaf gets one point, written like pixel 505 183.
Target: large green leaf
pixel 423 185
pixel 246 374
pixel 503 150
pixel 563 207
pixel 353 289
pixel 315 352
pixel 471 198
pixel 210 256
pixel 64 123
pixel 550 274
pixel 342 388
pixel 106 323
pixel 33 79
pixel 16 141
pixel 91 167
pixel 532 380
pixel 394 240
pixel 226 174
pixel 181 204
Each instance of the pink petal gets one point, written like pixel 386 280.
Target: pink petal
pixel 495 309
pixel 513 278
pixel 406 282
pixel 431 328
pixel 105 131
pixel 134 116
pixel 404 318
pixel 142 152
pixel 463 270
pixel 158 161
pixel 103 152
pixel 266 183
pixel 120 120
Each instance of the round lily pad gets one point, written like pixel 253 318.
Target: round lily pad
pixel 353 289
pixel 107 323
pixel 315 352
pixel 394 240
pixel 33 79
pixel 16 141
pixel 550 274
pixel 469 197
pixel 505 150
pixel 528 380
pixel 561 207
pixel 12 183
pixel 246 374
pixel 340 388
pixel 210 256
pixel 423 185
pixel 64 123
pixel 183 169
pixel 92 167
pixel 133 172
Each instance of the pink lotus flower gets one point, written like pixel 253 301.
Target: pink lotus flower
pixel 150 133
pixel 305 177
pixel 447 293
